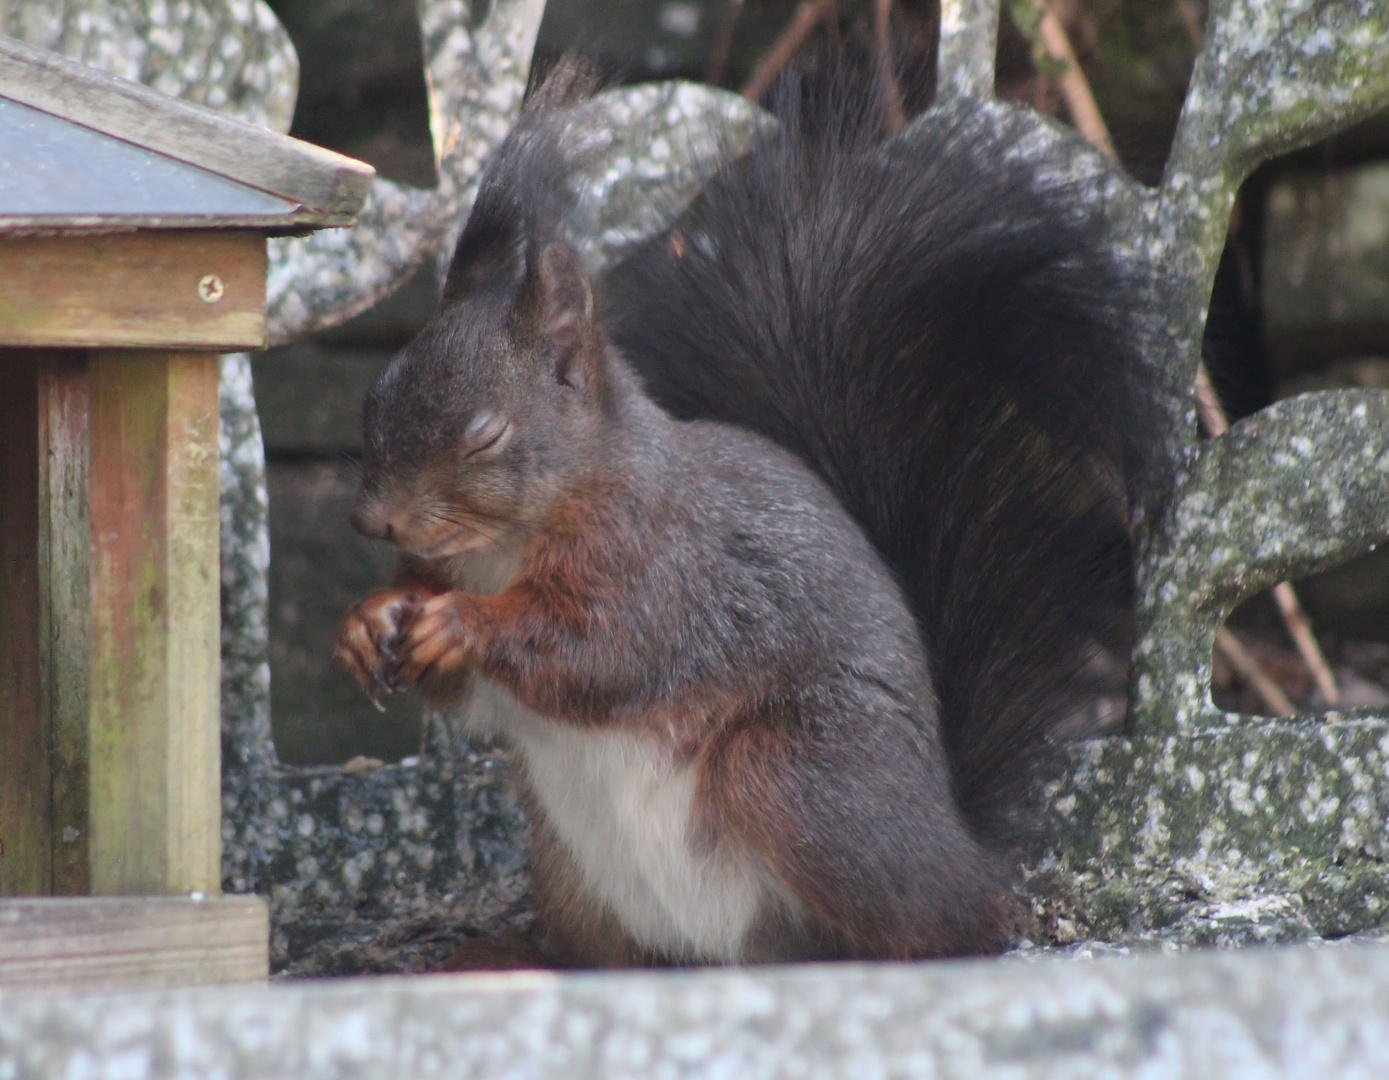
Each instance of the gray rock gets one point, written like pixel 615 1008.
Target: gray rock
pixel 1258 1014
pixel 245 550
pixel 231 55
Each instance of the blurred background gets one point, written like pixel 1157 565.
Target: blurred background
pixel 1301 300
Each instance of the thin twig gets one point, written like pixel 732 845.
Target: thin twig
pixel 1080 102
pixel 894 118
pixel 1209 412
pixel 718 59
pixel 1300 627
pixel 785 46
pixel 1233 650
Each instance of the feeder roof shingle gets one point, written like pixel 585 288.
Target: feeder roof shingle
pixel 82 149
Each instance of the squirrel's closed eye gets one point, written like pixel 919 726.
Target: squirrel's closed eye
pixel 486 432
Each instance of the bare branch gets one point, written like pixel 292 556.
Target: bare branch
pixel 1233 650
pixel 718 59
pixel 1080 101
pixel 807 16
pixel 893 115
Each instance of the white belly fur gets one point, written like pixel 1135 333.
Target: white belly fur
pixel 621 805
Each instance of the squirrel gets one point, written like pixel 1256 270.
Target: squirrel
pixel 775 569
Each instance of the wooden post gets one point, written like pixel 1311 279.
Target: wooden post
pixel 64 551
pixel 155 798
pixel 109 722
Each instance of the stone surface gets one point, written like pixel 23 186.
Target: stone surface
pixel 245 553
pixel 380 869
pixel 1268 830
pixel 1255 1015
pixel 231 55
pixel 1292 490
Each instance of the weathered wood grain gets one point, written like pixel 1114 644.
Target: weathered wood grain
pixel 25 811
pixel 193 289
pixel 132 943
pixel 332 185
pixel 155 768
pixel 64 547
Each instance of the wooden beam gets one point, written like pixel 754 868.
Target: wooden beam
pixel 64 550
pixel 154 586
pixel 320 179
pixel 194 289
pixel 132 943
pixel 25 810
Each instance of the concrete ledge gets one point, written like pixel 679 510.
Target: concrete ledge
pixel 1298 1012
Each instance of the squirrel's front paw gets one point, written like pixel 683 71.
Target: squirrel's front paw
pixel 437 646
pixel 371 635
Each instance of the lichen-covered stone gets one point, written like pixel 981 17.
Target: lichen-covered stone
pixel 1264 823
pixel 477 76
pixel 664 141
pixel 245 555
pixel 1290 491
pixel 968 40
pixel 418 854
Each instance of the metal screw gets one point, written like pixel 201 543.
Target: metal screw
pixel 211 289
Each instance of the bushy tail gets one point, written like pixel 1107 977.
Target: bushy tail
pixel 941 333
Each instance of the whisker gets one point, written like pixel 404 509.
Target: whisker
pixel 350 467
pixel 471 524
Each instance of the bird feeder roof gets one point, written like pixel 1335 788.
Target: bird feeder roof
pixel 80 149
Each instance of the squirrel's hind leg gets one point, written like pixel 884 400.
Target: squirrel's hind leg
pixel 851 808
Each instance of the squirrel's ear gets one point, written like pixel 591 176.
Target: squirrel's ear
pixel 564 300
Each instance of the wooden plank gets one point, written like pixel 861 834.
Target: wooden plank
pixel 197 289
pixel 330 183
pixel 64 546
pixel 132 943
pixel 155 769
pixel 25 811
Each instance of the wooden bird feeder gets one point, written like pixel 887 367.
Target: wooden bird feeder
pixel 132 252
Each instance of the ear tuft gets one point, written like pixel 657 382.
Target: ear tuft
pixel 488 255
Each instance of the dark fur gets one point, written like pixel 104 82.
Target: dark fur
pixel 943 337
pixel 861 666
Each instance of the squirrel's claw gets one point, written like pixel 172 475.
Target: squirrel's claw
pixel 371 635
pixel 436 642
